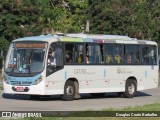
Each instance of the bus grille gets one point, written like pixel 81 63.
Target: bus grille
pixel 21 83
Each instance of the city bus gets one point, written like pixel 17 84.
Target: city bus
pixel 70 65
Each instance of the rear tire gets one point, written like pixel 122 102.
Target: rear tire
pixel 69 91
pixel 130 89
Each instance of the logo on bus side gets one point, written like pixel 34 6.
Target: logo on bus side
pixel 83 71
pixel 124 71
pixel 80 71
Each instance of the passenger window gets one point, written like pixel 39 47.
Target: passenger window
pixel 69 53
pixel 148 54
pixel 145 54
pixel 74 53
pixel 113 54
pixel 152 55
pixel 94 54
pixel 109 48
pixel 79 53
pixel 131 54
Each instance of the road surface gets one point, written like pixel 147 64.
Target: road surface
pixel 87 102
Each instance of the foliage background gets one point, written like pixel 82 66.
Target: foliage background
pixel 135 18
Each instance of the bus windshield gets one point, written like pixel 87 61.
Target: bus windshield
pixel 25 58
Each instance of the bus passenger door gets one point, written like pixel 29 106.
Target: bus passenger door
pixel 54 58
pixel 54 66
pixel 149 59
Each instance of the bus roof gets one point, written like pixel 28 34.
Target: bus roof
pixel 95 38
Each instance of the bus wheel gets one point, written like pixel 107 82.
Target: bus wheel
pixel 35 97
pixel 69 91
pixel 130 89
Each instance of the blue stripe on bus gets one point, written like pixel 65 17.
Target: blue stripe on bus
pixel 88 40
pixel 65 75
pixel 27 80
pixel 145 74
pixel 104 73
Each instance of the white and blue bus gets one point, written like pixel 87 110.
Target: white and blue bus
pixel 72 64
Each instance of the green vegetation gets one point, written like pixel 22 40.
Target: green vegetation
pixel 95 118
pixel 135 18
pixel 96 115
pixel 21 18
pixel 111 112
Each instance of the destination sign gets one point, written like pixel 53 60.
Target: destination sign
pixel 30 45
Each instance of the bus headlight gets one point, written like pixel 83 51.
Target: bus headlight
pixel 38 80
pixel 5 80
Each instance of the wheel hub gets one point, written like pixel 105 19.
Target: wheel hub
pixel 131 89
pixel 69 90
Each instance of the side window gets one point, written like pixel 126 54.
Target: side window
pixel 149 55
pixel 152 55
pixel 74 53
pixel 145 54
pixel 109 54
pixel 118 54
pixel 54 58
pixel 69 56
pixel 94 53
pixel 113 54
pixel 131 54
pixel 79 53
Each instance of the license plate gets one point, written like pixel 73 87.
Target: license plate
pixel 20 88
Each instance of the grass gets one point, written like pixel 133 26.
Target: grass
pixel 103 114
pixel 108 113
pixel 87 118
pixel 147 107
pixel 111 112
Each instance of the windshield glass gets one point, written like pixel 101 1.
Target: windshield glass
pixel 25 58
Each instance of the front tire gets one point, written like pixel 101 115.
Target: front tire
pixel 69 91
pixel 130 89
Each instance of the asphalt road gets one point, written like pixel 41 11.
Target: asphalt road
pixel 54 103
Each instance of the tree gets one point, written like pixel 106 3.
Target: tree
pixel 135 18
pixel 76 16
pixel 69 15
pixel 4 44
pixel 21 18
